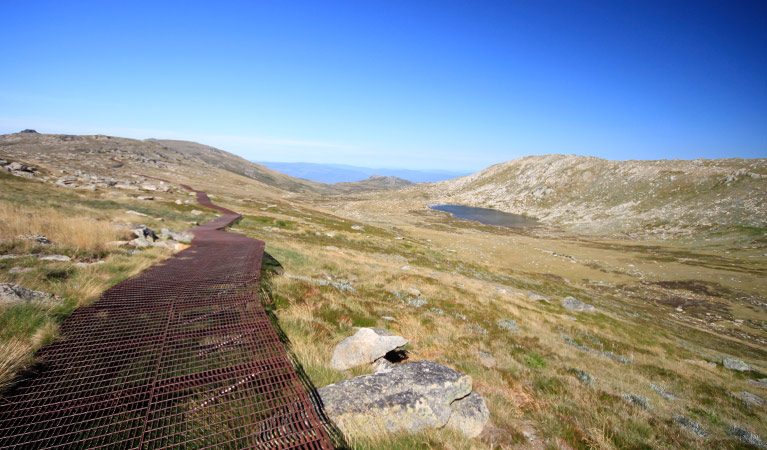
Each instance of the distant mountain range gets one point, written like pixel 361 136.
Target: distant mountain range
pixel 341 173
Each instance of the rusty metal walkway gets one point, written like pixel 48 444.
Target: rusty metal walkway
pixel 181 356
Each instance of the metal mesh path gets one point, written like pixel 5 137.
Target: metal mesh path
pixel 181 356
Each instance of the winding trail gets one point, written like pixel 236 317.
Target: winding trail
pixel 181 356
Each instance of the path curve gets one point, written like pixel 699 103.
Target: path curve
pixel 181 356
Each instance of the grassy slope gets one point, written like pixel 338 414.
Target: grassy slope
pixel 80 224
pixel 459 269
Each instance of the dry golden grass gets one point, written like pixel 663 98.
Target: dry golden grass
pixel 78 232
pixel 15 353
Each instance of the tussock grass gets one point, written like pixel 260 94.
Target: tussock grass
pixel 77 232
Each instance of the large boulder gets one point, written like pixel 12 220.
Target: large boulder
pixel 410 397
pixel 367 345
pixel 11 293
pixel 469 416
pixel 571 304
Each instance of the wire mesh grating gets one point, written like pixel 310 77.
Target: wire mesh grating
pixel 181 356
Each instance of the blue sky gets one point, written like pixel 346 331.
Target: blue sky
pixel 407 84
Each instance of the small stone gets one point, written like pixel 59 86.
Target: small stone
pixel 358 227
pixel 691 426
pixel 637 400
pixel 61 258
pixel 487 360
pixel 508 324
pixel 735 364
pixel 571 304
pixel 194 212
pixel 20 270
pixel 745 436
pixel 469 415
pixel 135 213
pixel 662 392
pixel 750 399
pixel 414 292
pixel 582 376
pixel 178 202
pixel 389 318
pixel 367 345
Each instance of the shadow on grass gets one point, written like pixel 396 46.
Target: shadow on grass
pixel 270 267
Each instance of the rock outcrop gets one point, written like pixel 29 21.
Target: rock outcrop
pixel 11 293
pixel 408 398
pixel 571 304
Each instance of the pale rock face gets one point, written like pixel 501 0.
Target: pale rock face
pixel 179 236
pixel 61 258
pixel 469 416
pixel 735 364
pixel 410 398
pixel 367 345
pixel 571 304
pixel 11 293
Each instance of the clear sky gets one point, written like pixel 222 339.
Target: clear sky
pixel 407 84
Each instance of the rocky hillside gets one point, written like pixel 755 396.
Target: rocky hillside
pixel 374 183
pixel 88 160
pixel 586 194
pixel 241 166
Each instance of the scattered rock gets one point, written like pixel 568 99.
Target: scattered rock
pixel 135 213
pixel 61 258
pixel 571 304
pixel 508 324
pixel 411 397
pixel 367 345
pixel 171 244
pixel 82 265
pixel 140 242
pixel 750 399
pixel 36 238
pixel 413 291
pixel 11 293
pixel 358 227
pixel 662 392
pixel 637 400
pixel 534 296
pixel 487 359
pixel 691 426
pixel 735 364
pixel 469 416
pixel 582 376
pixel 745 436
pixel 20 269
pixel 144 232
pixel 341 285
pixel 179 236
pixel 194 212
